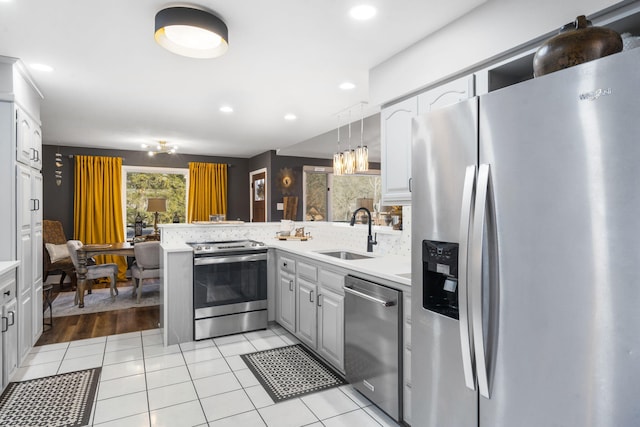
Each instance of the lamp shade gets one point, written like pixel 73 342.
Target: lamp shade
pixel 191 32
pixel 156 204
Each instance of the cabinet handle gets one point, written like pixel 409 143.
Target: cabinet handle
pixel 37 204
pixel 13 318
pixel 291 285
pixel 8 293
pixel 311 296
pixel 5 324
pixel 410 179
pixel 284 264
pixel 318 300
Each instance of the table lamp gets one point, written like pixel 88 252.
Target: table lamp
pixel 155 205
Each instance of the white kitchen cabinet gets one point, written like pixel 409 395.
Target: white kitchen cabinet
pixel 286 293
pixel 395 145
pixel 331 327
pixel 29 214
pixel 20 170
pixel 446 94
pixel 306 318
pixel 311 305
pixel 28 140
pixel 9 339
pixel 25 324
pixel 395 136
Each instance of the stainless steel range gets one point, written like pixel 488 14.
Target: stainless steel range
pixel 229 287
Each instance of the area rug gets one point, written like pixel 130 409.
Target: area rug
pixel 56 401
pixel 100 300
pixel 292 371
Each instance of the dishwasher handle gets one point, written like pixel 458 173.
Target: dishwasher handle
pixel 369 297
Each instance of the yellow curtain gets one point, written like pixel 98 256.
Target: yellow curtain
pixel 97 205
pixel 207 190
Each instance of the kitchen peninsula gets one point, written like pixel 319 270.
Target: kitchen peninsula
pixel 390 262
pixel 304 284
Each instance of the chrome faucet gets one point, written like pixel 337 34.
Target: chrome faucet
pixel 370 240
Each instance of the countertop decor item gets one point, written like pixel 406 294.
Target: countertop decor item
pixel 577 42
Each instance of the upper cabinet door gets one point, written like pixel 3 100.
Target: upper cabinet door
pixel 36 147
pixel 447 94
pixel 24 132
pixel 395 144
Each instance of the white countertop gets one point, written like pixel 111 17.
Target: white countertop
pixel 8 265
pixel 390 267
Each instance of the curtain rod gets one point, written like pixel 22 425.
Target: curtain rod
pixel 71 157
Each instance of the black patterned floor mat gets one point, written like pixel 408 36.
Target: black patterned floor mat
pixel 63 400
pixel 292 371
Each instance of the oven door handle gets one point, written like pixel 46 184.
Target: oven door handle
pixel 229 259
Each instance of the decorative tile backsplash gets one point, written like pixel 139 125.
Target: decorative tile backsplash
pixel 341 235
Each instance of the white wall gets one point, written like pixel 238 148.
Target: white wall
pixel 489 30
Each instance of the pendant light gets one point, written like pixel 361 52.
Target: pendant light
pixel 191 32
pixel 362 152
pixel 349 155
pixel 338 161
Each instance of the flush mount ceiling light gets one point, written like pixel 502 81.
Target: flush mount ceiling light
pixel 191 32
pixel 347 86
pixel 163 149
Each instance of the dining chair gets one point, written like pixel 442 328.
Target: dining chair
pixel 146 265
pixel 95 271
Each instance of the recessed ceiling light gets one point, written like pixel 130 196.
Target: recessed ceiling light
pixel 290 116
pixel 363 12
pixel 41 67
pixel 347 86
pixel 226 109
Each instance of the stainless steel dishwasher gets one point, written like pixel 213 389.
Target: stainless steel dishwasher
pixel 373 343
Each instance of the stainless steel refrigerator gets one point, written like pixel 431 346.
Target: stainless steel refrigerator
pixel 526 253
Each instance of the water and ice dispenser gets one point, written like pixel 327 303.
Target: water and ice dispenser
pixel 440 277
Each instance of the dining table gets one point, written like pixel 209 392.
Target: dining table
pixel 89 250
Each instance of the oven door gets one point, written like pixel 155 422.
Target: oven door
pixel 229 284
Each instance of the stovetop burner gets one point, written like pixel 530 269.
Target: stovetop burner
pixel 227 246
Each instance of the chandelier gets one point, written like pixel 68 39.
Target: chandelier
pixel 162 148
pixel 352 161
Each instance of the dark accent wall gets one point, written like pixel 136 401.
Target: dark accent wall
pixel 58 200
pixel 263 161
pixel 296 164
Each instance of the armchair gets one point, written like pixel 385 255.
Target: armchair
pixel 146 265
pixel 95 271
pixel 53 238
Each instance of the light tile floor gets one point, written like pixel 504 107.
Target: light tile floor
pixel 203 383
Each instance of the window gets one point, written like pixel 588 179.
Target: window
pixel 140 183
pixel 334 198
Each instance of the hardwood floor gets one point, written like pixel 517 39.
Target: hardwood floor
pixel 70 328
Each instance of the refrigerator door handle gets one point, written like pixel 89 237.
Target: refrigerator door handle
pixel 475 278
pixel 466 340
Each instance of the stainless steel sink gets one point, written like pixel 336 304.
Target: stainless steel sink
pixel 346 255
